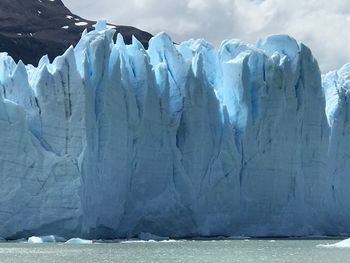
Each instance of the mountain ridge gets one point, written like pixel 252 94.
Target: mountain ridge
pixel 30 29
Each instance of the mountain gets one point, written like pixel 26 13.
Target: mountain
pixel 30 29
pixel 112 140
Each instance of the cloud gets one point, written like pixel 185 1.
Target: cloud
pixel 321 24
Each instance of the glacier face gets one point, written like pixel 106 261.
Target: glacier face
pixel 112 140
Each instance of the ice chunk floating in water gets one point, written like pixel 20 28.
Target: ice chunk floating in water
pixel 342 244
pixel 79 241
pixel 112 140
pixel 45 239
pixel 35 240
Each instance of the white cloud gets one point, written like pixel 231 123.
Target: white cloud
pixel 321 24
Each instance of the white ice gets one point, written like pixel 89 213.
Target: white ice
pixel 342 244
pixel 46 239
pixel 111 140
pixel 78 241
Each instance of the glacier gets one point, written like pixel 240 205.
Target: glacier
pixel 111 140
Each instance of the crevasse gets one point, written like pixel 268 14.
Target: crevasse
pixel 112 140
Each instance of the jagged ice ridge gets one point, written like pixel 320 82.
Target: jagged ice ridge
pixel 112 140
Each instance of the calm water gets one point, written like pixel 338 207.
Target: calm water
pixel 301 251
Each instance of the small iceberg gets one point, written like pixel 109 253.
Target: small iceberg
pixel 79 241
pixel 46 239
pixel 35 240
pixel 342 244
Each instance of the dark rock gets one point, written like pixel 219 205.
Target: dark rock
pixel 30 29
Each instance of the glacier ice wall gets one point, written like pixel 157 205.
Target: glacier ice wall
pixel 111 140
pixel 336 87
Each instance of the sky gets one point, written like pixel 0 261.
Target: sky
pixel 323 25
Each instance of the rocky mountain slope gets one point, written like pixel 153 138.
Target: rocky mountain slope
pixel 30 29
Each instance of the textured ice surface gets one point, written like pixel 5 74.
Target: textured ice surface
pixel 112 140
pixel 336 86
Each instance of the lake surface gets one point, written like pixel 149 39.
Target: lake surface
pixel 301 251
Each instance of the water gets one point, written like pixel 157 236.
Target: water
pixel 301 251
